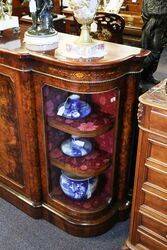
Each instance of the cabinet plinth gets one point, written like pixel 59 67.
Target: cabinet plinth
pixel 37 84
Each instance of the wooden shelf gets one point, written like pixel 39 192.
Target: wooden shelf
pixel 91 126
pixel 91 165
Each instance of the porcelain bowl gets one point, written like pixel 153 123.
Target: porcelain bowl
pixel 77 188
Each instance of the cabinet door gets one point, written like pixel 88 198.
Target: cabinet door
pixel 96 128
pixel 10 146
pixel 19 165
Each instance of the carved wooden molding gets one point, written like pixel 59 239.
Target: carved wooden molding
pixel 140 113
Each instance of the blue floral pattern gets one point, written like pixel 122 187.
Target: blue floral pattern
pixel 78 188
pixel 76 147
pixel 74 108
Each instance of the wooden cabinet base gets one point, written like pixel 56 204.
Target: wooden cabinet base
pixel 89 228
pixel 65 222
pixel 81 228
pixel 129 246
pixel 21 202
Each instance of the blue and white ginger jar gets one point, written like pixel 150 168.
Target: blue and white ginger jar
pixel 77 188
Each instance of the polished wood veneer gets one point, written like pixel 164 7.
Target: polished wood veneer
pixel 149 209
pixel 27 179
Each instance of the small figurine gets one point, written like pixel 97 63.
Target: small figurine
pixel 7 21
pixel 2 13
pixel 33 11
pixel 154 36
pixel 41 17
pixel 8 7
pixel 5 9
pixel 41 35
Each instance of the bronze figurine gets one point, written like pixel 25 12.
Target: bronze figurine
pixel 41 17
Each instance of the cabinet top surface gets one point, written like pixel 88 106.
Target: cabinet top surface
pixel 13 44
pixel 156 96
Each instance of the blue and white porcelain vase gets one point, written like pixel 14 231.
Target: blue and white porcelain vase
pixel 76 147
pixel 74 108
pixel 77 188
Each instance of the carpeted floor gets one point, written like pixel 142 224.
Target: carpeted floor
pixel 20 232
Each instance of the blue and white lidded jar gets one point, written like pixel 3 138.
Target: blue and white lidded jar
pixel 78 188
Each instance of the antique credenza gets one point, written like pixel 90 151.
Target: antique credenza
pixel 148 228
pixel 32 86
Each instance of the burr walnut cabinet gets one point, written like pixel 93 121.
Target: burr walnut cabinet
pixel 32 86
pixel 148 228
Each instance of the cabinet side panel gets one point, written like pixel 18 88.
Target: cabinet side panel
pixel 10 148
